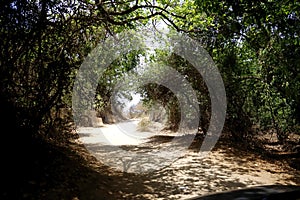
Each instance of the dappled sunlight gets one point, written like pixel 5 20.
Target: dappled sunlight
pixel 220 170
pixel 225 168
pixel 148 99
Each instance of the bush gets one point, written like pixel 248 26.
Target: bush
pixel 144 125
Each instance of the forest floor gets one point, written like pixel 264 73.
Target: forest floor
pixel 67 171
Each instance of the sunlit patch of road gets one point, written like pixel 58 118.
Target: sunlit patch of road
pixel 124 133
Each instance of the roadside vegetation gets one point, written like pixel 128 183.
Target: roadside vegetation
pixel 254 44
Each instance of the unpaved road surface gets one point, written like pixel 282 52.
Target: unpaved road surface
pixel 224 168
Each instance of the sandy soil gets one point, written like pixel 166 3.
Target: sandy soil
pixel 68 171
pixel 225 168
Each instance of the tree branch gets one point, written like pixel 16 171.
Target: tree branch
pixel 109 15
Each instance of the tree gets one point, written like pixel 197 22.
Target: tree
pixel 43 44
pixel 254 44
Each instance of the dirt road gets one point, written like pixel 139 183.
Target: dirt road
pixel 222 169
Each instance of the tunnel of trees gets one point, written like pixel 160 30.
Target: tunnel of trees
pixel 255 45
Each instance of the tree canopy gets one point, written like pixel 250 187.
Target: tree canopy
pixel 255 45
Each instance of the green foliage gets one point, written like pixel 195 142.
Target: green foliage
pixel 43 43
pixel 112 76
pixel 256 46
